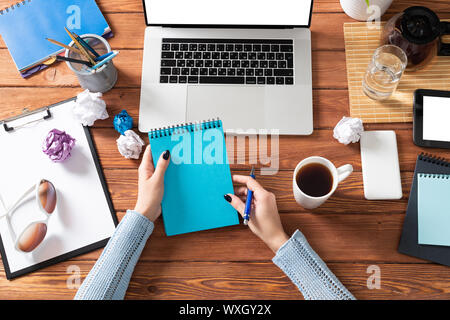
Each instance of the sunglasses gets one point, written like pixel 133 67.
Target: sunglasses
pixel 34 233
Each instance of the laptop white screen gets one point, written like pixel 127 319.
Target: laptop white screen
pixel 230 12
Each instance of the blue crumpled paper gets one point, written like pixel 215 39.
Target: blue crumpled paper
pixel 123 122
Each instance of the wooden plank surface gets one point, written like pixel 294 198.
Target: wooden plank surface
pixel 348 232
pixel 225 280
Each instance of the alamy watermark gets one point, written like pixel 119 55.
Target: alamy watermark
pixel 374 280
pixel 74 279
pixel 240 147
pixel 74 19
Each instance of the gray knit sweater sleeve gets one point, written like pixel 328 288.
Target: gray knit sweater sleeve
pixel 110 276
pixel 308 272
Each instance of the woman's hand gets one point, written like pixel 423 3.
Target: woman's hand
pixel 151 184
pixel 264 220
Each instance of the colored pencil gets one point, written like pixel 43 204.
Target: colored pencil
pixel 82 49
pixel 64 46
pixel 104 61
pixel 104 56
pixel 86 45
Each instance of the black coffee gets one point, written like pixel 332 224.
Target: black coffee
pixel 315 180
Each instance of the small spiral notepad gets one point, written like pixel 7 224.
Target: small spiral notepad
pixel 434 209
pixel 428 202
pixel 197 178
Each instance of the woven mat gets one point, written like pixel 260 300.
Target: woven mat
pixel 360 43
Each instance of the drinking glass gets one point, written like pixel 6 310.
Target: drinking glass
pixel 384 72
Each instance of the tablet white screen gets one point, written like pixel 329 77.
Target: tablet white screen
pixel 436 119
pixel 230 12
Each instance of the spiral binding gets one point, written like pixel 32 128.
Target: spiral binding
pixel 185 128
pixel 434 160
pixel 434 176
pixel 14 6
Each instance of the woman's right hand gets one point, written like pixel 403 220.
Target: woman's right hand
pixel 264 220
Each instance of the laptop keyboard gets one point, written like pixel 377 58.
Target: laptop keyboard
pixel 227 61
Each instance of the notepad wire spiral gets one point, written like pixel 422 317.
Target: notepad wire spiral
pixel 433 159
pixel 14 6
pixel 434 176
pixel 185 128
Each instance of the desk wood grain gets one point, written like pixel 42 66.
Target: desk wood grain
pixel 348 232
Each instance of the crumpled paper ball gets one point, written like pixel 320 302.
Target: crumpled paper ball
pixel 130 145
pixel 348 130
pixel 123 122
pixel 58 145
pixel 89 107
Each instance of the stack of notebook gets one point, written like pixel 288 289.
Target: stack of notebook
pixel 25 26
pixel 427 223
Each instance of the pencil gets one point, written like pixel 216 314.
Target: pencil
pixel 86 45
pixel 64 46
pixel 82 49
pixel 60 58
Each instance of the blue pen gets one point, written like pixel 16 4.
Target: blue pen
pixel 104 61
pixel 104 56
pixel 248 204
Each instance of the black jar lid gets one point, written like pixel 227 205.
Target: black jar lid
pixel 420 25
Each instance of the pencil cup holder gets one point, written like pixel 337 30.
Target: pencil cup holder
pixel 102 79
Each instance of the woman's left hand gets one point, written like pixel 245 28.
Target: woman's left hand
pixel 151 184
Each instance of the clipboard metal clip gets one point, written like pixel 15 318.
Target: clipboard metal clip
pixel 26 113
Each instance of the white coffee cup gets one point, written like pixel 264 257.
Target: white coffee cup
pixel 339 175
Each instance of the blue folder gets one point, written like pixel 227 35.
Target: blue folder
pixel 25 26
pixel 197 178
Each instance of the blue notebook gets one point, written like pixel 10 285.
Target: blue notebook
pixel 25 26
pixel 197 178
pixel 434 209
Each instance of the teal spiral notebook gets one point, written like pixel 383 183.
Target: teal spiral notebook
pixel 197 178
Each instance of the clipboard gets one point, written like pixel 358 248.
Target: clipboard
pixel 45 117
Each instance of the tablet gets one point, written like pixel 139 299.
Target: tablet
pixel 431 127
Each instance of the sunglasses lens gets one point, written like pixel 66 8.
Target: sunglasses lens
pixel 32 237
pixel 47 196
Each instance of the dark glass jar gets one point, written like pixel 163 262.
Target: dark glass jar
pixel 418 31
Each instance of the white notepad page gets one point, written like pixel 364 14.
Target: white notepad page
pixel 82 216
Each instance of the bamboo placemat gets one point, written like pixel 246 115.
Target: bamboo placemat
pixel 360 44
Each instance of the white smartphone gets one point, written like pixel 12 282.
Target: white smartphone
pixel 380 166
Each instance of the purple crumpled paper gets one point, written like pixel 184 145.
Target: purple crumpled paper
pixel 58 145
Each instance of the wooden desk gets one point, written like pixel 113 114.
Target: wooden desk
pixel 348 232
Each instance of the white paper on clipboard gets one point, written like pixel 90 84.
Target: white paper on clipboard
pixel 83 215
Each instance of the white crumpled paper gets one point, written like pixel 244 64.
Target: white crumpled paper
pixel 89 107
pixel 130 145
pixel 348 130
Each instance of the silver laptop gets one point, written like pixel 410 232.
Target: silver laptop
pixel 247 62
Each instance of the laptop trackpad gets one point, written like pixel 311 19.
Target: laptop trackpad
pixel 238 107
